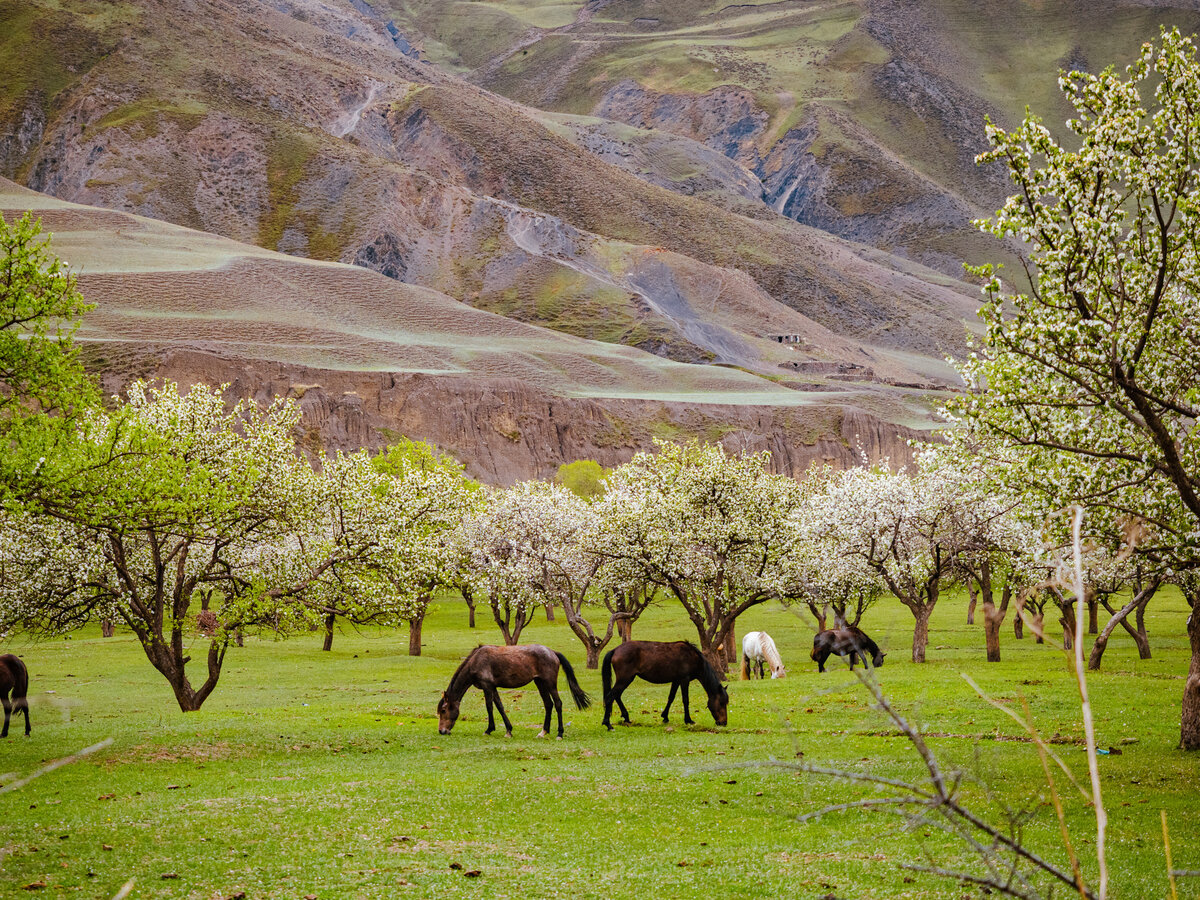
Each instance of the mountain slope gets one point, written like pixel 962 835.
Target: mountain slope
pixel 368 358
pixel 860 117
pixel 310 128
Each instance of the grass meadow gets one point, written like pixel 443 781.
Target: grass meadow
pixel 312 774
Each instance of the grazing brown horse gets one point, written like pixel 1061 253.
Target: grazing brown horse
pixel 13 677
pixel 676 662
pixel 845 642
pixel 489 668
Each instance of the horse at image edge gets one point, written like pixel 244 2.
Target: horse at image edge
pixel 14 677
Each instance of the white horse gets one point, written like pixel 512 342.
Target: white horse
pixel 756 647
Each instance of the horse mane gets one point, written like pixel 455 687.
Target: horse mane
pixel 770 651
pixel 709 679
pixel 461 666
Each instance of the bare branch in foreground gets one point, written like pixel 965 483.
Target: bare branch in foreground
pixel 57 764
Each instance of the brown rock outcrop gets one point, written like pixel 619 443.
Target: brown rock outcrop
pixel 506 431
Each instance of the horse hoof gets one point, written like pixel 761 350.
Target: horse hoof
pixel 508 734
pixel 559 738
pixel 542 733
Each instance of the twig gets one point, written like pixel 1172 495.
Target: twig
pixel 1027 724
pixel 57 764
pixel 1086 708
pixel 964 876
pixel 857 804
pixel 1058 809
pixel 1167 849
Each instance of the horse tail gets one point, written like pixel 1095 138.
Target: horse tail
pixel 606 674
pixel 582 700
pixel 745 667
pixel 20 690
pixel 21 687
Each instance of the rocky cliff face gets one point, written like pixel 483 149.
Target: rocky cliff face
pixel 506 431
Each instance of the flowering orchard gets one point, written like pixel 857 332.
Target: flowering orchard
pixel 1087 378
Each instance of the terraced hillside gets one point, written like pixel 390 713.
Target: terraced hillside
pixel 369 358
pixel 310 128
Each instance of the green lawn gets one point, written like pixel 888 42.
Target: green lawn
pixel 323 774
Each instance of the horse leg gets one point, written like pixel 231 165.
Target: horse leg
pixel 487 699
pixel 544 690
pixel 821 657
pixel 7 712
pixel 670 699
pixel 614 696
pixel 760 668
pixel 503 714
pixel 557 708
pixel 25 709
pixel 687 713
pixel 617 692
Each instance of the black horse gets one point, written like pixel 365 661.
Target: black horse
pixel 489 668
pixel 676 662
pixel 14 677
pixel 845 642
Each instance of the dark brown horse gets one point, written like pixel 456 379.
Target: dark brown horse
pixel 489 668
pixel 14 677
pixel 845 642
pixel 674 662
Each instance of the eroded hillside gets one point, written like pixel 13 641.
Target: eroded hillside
pixel 778 191
pixel 369 358
pixel 310 128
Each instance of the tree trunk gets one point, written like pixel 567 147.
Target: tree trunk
pixel 1093 616
pixel 414 634
pixel 971 605
pixel 1067 620
pixel 625 630
pixel 993 618
pixel 1140 637
pixel 819 613
pixel 330 618
pixel 239 638
pixel 593 654
pixel 1039 626
pixel 107 628
pixel 921 612
pixel 1121 617
pixel 1189 724
pixel 172 664
pixel 549 612
pixel 730 647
